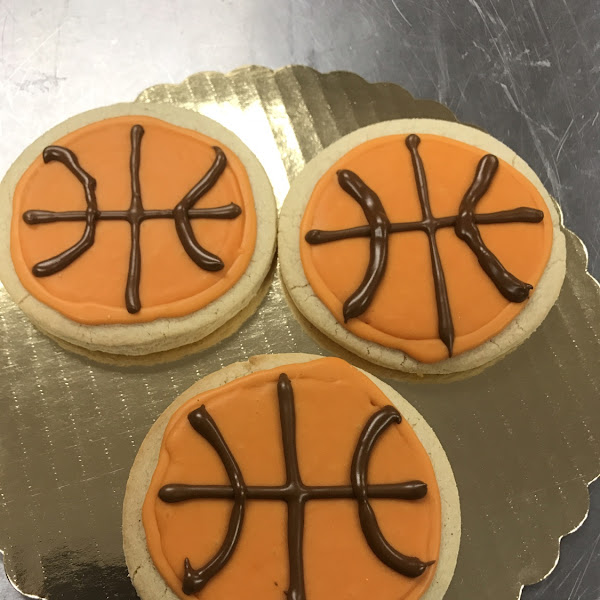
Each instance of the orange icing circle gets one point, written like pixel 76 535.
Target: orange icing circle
pixel 91 290
pixel 403 314
pixel 333 401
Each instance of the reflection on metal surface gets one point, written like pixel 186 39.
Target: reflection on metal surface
pixel 522 436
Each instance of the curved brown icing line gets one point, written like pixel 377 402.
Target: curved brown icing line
pixel 510 287
pixel 202 257
pixel 135 215
pixel 379 225
pixel 376 425
pixel 465 225
pixel 195 579
pixel 295 493
pixel 90 216
pixel 179 492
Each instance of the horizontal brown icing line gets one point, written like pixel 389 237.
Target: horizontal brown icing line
pixel 179 492
pixel 36 217
pixel 516 215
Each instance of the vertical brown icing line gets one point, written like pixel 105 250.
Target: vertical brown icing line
pixel 379 224
pixel 64 259
pixel 445 324
pixel 409 566
pixel 297 500
pixel 132 288
pixel 195 579
pixel 135 218
pixel 202 257
pixel 508 285
pixel 296 494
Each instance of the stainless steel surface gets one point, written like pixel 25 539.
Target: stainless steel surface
pixel 526 71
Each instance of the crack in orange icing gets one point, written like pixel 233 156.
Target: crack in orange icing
pixel 403 313
pixel 333 401
pixel 173 159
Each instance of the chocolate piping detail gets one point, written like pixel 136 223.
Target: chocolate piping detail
pixel 510 287
pixel 376 425
pixel 465 225
pixel 203 258
pixel 135 215
pixel 295 493
pixel 90 216
pixel 195 579
pixel 180 492
pixel 37 217
pixel 379 226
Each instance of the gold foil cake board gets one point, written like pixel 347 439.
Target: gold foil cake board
pixel 522 436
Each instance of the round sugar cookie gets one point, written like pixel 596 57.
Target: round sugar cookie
pixel 134 229
pixel 422 245
pixel 372 505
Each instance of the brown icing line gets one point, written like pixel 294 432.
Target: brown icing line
pixel 202 257
pixel 375 426
pixel 511 287
pixel 295 493
pixel 379 225
pixel 445 324
pixel 37 217
pixel 515 215
pixel 64 259
pixel 195 579
pixel 464 223
pixel 135 215
pixel 410 490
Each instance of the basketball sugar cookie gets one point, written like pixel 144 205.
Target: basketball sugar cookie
pixel 132 229
pixel 421 245
pixel 291 476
